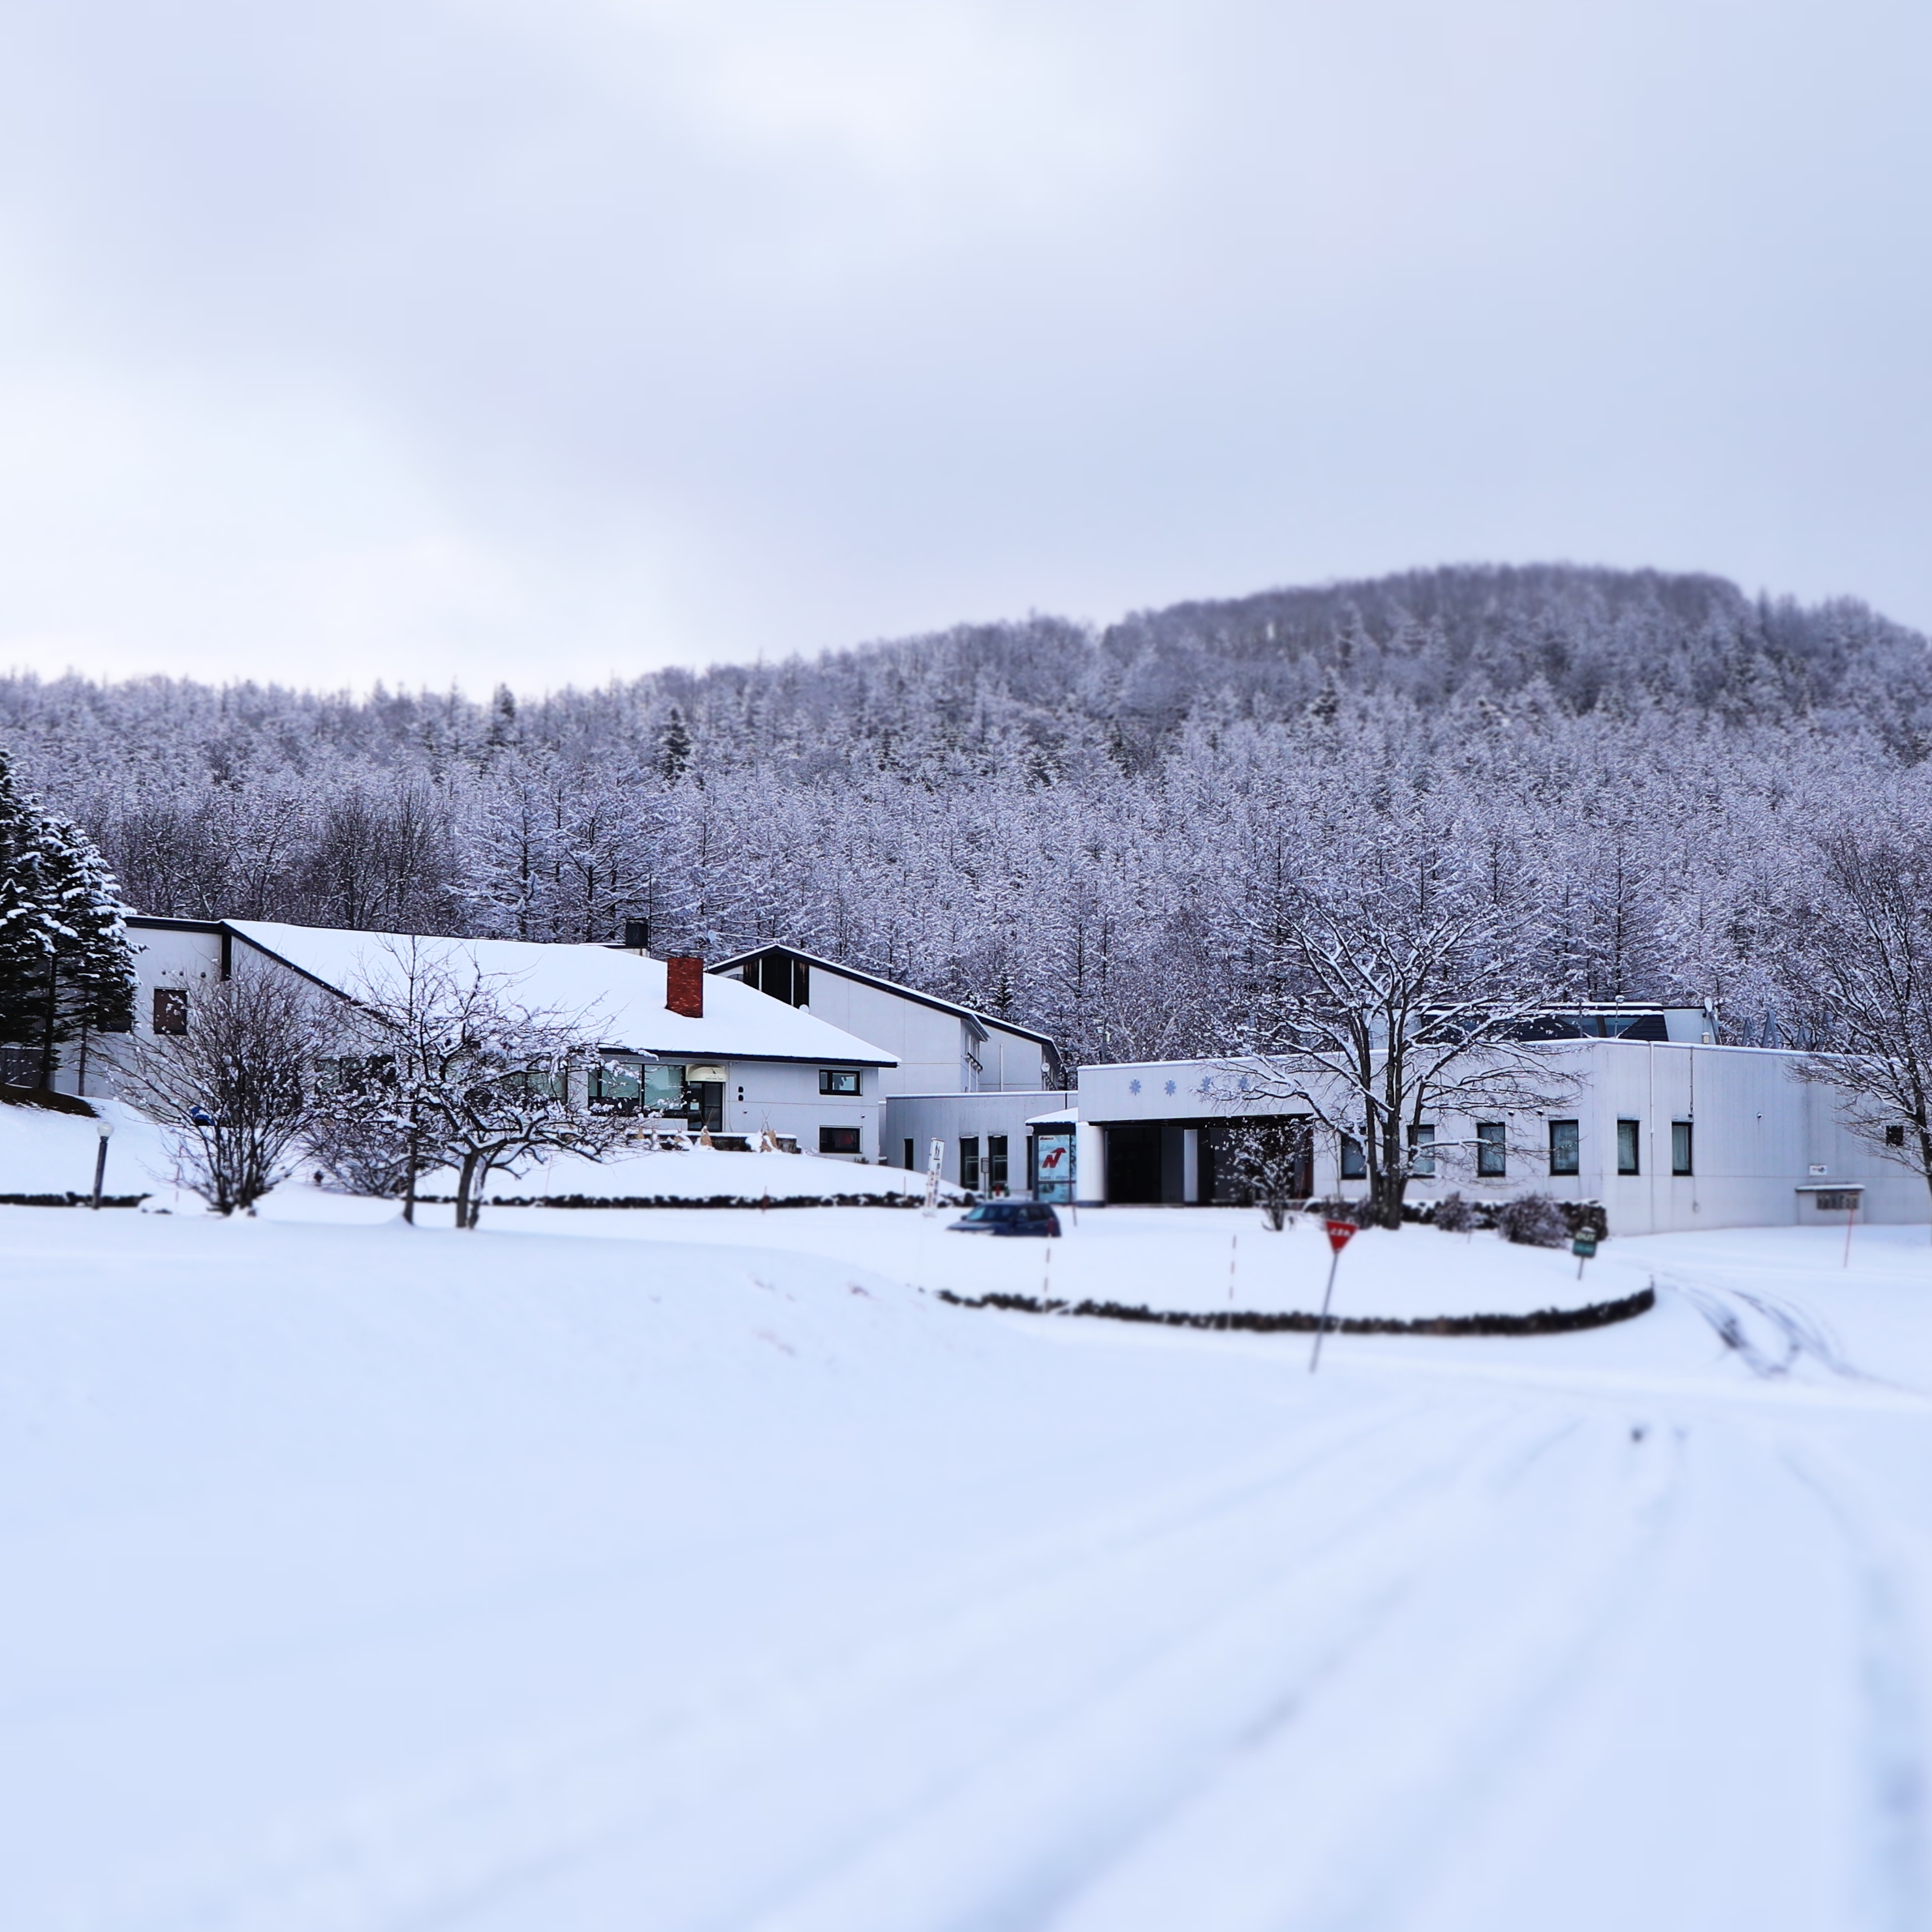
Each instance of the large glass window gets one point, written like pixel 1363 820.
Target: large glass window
pixel 1627 1148
pixel 171 1010
pixel 838 1140
pixel 1680 1147
pixel 969 1163
pixel 996 1163
pixel 1354 1163
pixel 1422 1151
pixel 1566 1148
pixel 838 1080
pixel 616 1081
pixel 1492 1151
pixel 663 1088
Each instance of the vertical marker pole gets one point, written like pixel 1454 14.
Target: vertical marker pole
pixel 105 1127
pixel 1849 1218
pixel 1234 1242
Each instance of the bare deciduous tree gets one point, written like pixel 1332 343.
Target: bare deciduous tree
pixel 1405 987
pixel 455 1072
pixel 1857 962
pixel 234 1092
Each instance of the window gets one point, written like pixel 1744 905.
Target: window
pixel 1566 1150
pixel 1422 1151
pixel 996 1163
pixel 1627 1160
pixel 663 1088
pixel 838 1140
pixel 1894 1136
pixel 969 1163
pixel 910 1163
pixel 171 1010
pixel 1354 1167
pixel 1492 1153
pixel 837 1080
pixel 613 1081
pixel 1680 1147
pixel 781 976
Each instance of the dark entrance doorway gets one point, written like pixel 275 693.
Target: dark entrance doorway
pixel 1133 1165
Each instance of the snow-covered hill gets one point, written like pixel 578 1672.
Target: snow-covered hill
pixel 362 1577
pixel 45 1151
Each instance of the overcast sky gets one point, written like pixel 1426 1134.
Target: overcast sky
pixel 469 340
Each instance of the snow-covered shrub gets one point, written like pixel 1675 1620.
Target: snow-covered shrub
pixel 1263 1162
pixel 231 1091
pixel 1533 1221
pixel 1454 1215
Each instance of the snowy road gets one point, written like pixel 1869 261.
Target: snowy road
pixel 366 1581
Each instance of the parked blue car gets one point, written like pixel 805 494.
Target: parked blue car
pixel 1008 1217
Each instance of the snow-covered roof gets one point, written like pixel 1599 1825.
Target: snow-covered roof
pixel 980 1021
pixel 1065 1116
pixel 621 993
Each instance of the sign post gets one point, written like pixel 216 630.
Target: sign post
pixel 1340 1233
pixel 933 1162
pixel 1584 1247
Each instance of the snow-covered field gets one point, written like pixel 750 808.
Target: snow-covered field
pixel 680 1570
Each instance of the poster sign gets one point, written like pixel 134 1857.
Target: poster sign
pixel 1053 1167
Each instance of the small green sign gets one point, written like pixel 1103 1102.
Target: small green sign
pixel 1584 1247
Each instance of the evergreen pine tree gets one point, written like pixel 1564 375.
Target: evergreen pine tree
pixel 92 980
pixel 26 944
pixel 66 968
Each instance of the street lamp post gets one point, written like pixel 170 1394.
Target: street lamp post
pixel 103 1126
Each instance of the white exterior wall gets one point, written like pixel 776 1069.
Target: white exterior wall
pixel 936 1049
pixel 784 1096
pixel 1012 1063
pixel 1760 1136
pixel 163 957
pixel 928 1043
pixel 922 1118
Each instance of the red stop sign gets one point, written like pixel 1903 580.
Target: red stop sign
pixel 1340 1233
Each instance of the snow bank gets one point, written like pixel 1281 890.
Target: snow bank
pixel 44 1153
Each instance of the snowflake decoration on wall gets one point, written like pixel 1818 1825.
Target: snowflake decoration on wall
pixel 1133 1086
pixel 1170 1087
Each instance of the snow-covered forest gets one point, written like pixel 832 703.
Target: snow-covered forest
pixel 1083 829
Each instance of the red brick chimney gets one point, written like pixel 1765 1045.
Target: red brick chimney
pixel 684 985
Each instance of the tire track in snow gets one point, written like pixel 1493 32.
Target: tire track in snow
pixel 1343 1818
pixel 1770 1335
pixel 1004 1847
pixel 1894 1894
pixel 400 1857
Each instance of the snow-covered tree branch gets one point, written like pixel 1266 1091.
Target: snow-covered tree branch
pixel 1406 983
pixel 452 1070
pixel 235 1089
pixel 1857 964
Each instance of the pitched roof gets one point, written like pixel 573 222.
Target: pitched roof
pixel 620 993
pixel 981 1020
